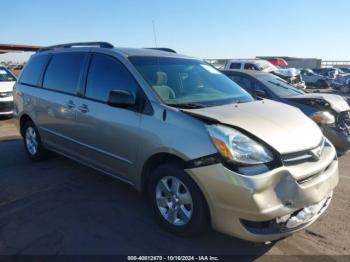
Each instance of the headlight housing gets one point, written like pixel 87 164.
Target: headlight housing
pixel 238 148
pixel 323 117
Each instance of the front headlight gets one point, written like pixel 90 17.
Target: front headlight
pixel 237 147
pixel 323 117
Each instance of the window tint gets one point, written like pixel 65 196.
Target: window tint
pixel 32 71
pixel 235 66
pixel 106 74
pixel 249 66
pixel 63 72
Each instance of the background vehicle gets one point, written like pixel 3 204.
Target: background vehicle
pixel 340 78
pixel 202 148
pixel 7 81
pixel 316 80
pixel 331 112
pixel 345 69
pixel 291 75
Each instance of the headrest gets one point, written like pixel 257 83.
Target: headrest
pixel 162 79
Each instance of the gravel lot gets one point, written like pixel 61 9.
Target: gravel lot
pixel 61 207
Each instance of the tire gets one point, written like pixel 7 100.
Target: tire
pixel 196 214
pixel 32 142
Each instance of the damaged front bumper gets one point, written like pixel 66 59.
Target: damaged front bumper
pixel 271 205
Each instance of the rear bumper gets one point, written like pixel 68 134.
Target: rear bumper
pixel 234 198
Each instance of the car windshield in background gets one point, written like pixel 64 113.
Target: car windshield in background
pixel 188 82
pixel 279 87
pixel 5 75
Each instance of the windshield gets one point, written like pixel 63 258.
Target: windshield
pixel 5 75
pixel 278 86
pixel 188 82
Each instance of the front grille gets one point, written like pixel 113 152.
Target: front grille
pixel 304 156
pixel 5 94
pixel 6 106
pixel 311 177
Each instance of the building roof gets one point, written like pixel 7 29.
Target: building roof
pixel 6 48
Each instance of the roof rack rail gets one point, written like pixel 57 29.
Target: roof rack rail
pixel 81 44
pixel 165 49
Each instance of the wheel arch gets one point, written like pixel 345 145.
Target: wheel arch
pixel 24 118
pixel 159 158
pixel 153 162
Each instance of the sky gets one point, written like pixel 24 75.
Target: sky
pixel 200 28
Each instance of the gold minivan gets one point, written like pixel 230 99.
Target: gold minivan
pixel 202 149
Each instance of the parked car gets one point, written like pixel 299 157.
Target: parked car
pixel 203 149
pixel 291 75
pixel 7 81
pixel 345 69
pixel 339 77
pixel 316 80
pixel 331 112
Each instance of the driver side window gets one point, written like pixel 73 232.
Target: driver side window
pixel 106 74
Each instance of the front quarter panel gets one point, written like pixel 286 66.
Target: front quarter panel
pixel 176 133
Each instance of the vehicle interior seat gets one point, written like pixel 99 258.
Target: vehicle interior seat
pixel 161 87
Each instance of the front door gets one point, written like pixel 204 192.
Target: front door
pixel 109 135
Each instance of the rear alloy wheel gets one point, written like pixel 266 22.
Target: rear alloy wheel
pixel 32 142
pixel 177 202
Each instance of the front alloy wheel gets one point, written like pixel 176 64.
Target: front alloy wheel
pixel 177 202
pixel 174 201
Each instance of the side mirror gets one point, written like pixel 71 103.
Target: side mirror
pixel 121 98
pixel 260 93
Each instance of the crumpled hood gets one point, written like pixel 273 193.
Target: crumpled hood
pixel 337 102
pixel 6 86
pixel 283 127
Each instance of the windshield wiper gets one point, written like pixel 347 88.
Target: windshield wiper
pixel 188 105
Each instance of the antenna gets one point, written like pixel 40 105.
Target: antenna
pixel 154 34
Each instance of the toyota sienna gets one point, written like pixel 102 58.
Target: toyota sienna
pixel 202 149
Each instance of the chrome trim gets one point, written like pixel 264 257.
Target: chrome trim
pixel 88 146
pixel 314 154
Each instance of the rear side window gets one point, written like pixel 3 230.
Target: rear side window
pixel 106 74
pixel 235 66
pixel 33 70
pixel 64 72
pixel 249 66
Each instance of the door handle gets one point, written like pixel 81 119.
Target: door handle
pixel 70 104
pixel 83 108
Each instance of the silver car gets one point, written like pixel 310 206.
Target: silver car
pixel 202 149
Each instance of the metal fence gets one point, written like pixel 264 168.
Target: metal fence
pixel 335 63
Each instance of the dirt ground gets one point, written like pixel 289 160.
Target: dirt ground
pixel 62 207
